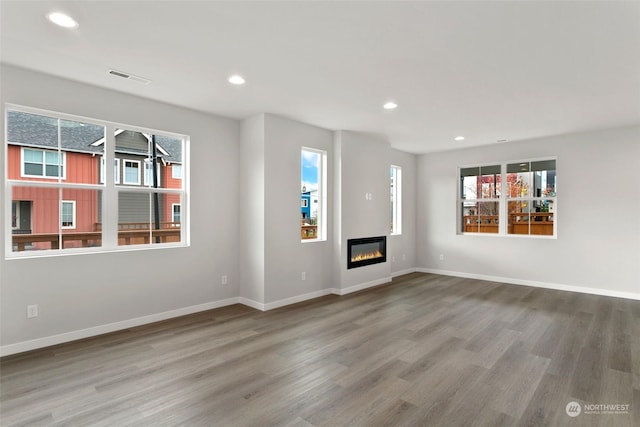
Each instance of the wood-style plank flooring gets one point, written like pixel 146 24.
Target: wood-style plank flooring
pixel 425 350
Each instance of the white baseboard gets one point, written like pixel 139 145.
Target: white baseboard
pixel 296 299
pixel 546 285
pixel 361 286
pixel 403 272
pixel 251 303
pixel 138 321
pixel 20 347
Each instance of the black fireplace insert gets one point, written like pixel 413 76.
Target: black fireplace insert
pixel 366 251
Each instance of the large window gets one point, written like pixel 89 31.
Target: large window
pixel 531 194
pixel 63 198
pixel 313 207
pixel 514 198
pixel 396 200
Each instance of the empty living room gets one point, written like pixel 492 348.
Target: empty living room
pixel 320 213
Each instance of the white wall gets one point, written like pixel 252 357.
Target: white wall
pixel 252 201
pixel 286 257
pixel 402 248
pixel 598 245
pixel 80 295
pixel 364 168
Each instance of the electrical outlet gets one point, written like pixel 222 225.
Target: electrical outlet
pixel 224 280
pixel 393 259
pixel 441 257
pixel 32 311
pixel 304 275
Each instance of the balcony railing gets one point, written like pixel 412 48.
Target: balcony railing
pixel 128 234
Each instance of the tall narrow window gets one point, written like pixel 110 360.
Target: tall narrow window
pixel 313 194
pixel 396 200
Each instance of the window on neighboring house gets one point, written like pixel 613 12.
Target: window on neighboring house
pixel 148 173
pixel 524 205
pixel 176 171
pixel 176 213
pixel 56 179
pixel 42 163
pixel 68 214
pixel 131 172
pixel 116 170
pixel 313 214
pixel 396 200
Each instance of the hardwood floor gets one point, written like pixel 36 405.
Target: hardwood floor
pixel 426 350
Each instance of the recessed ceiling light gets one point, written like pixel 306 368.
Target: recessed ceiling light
pixel 236 80
pixel 390 105
pixel 459 138
pixel 62 20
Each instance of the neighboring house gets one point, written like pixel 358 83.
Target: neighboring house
pixel 305 205
pixel 33 156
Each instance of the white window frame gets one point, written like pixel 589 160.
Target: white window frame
pixel 124 171
pixel 44 163
pixel 321 230
pixel 304 203
pixel 109 191
pixel 73 214
pixel 503 202
pixel 174 168
pixel 396 201
pixel 116 170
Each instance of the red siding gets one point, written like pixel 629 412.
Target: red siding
pixel 80 167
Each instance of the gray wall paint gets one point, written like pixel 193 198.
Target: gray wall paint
pixel 598 243
pixel 70 295
pixel 251 201
pixel 286 257
pixel 403 247
pixel 364 168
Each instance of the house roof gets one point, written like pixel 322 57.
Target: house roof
pixel 40 131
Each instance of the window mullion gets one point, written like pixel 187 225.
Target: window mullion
pixel 110 195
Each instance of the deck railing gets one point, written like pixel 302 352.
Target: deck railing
pixel 128 234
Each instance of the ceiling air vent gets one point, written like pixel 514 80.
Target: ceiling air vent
pixel 129 76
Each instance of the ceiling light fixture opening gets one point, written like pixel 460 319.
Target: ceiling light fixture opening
pixel 502 140
pixel 459 138
pixel 390 105
pixel 62 20
pixel 236 80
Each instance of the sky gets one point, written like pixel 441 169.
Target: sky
pixel 309 172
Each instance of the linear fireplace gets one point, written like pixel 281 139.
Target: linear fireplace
pixel 366 251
